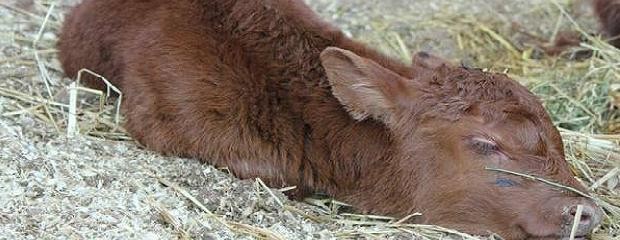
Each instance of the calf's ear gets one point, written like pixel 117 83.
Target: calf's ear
pixel 363 87
pixel 426 61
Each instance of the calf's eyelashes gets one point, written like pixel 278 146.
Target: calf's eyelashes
pixel 484 146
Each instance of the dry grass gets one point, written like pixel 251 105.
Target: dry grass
pixel 583 97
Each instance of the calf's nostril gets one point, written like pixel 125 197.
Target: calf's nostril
pixel 585 219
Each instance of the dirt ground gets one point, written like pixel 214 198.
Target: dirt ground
pixel 55 187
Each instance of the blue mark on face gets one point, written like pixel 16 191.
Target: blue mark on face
pixel 504 182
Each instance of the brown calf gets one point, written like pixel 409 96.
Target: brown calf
pixel 608 12
pixel 269 90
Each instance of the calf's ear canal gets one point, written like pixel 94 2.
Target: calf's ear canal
pixel 425 60
pixel 363 87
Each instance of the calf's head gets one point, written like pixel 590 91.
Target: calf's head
pixel 449 125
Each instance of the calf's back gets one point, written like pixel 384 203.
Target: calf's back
pixel 236 83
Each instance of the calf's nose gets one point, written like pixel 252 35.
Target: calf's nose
pixel 590 217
